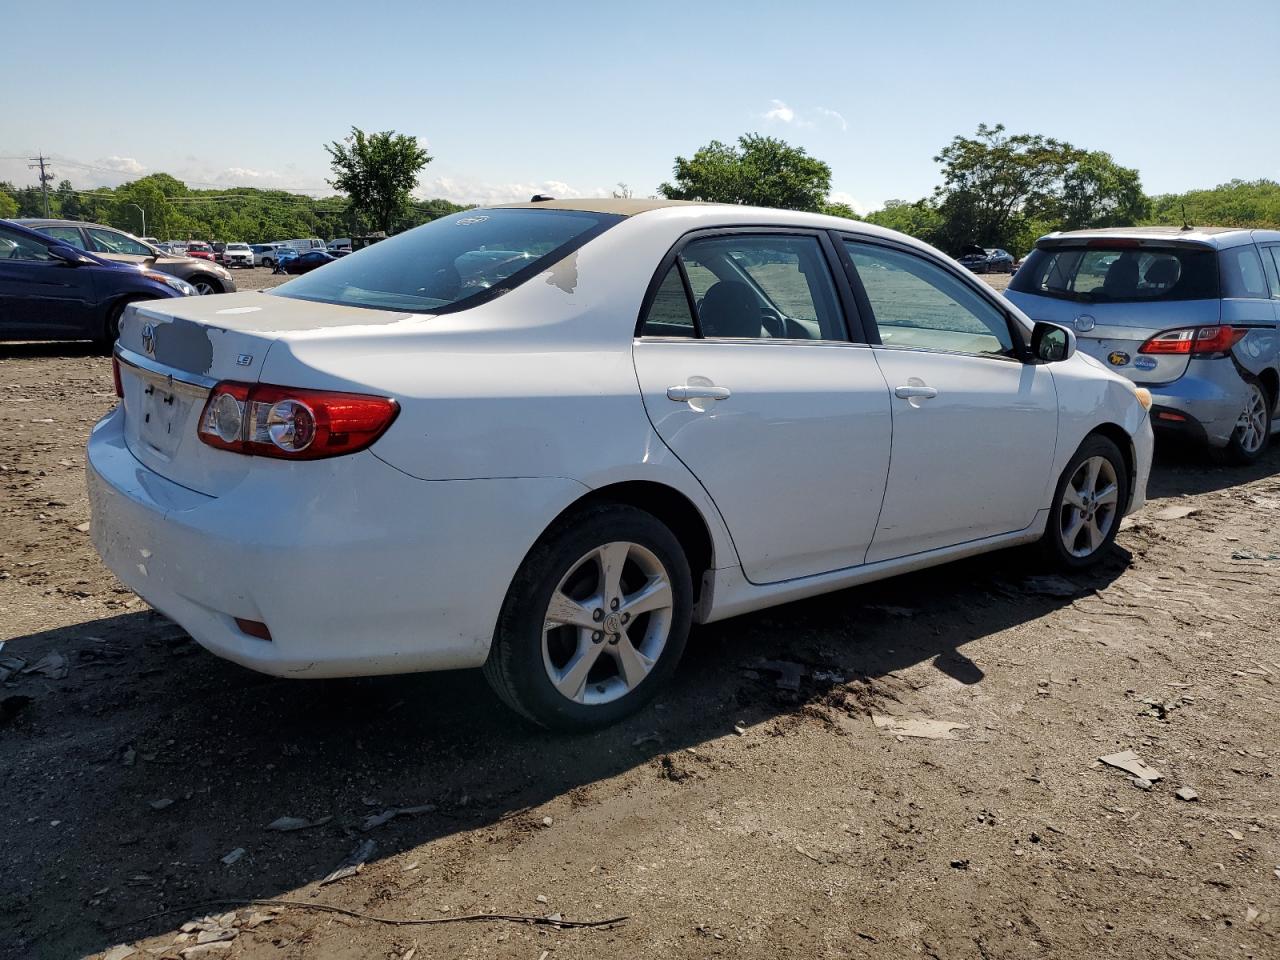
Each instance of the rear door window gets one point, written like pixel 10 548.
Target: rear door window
pixel 1102 273
pixel 109 241
pixel 1242 275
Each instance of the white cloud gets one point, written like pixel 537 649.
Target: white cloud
pixel 840 196
pixel 835 115
pixel 780 112
pixel 464 190
pixel 120 164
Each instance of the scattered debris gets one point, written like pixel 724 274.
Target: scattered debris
pixel 1187 794
pixel 10 666
pixel 740 728
pixel 119 952
pixel 1250 915
pixel 51 665
pixel 1235 834
pixel 547 821
pixel 541 898
pixel 960 864
pixel 789 674
pixel 1175 513
pixel 205 949
pixel 378 819
pixel 353 864
pixel 1130 763
pixel 647 738
pixel 922 727
pixel 83 527
pixel 233 856
pixel 287 824
pixel 1142 783
pixel 1253 555
pixel 161 803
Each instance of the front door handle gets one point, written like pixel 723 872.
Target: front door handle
pixel 913 392
pixel 684 392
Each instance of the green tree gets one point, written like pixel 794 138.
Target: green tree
pixel 8 203
pixel 759 171
pixel 995 185
pixel 920 219
pixel 377 172
pixel 1240 203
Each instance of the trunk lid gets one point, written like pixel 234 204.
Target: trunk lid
pixel 172 353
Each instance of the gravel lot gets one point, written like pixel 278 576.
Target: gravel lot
pixel 140 773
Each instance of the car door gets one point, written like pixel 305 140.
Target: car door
pixel 749 375
pixel 974 427
pixel 41 296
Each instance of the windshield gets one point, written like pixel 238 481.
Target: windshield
pixel 1119 273
pixel 451 263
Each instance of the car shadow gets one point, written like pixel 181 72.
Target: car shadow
pixel 36 349
pixel 1182 469
pixel 145 716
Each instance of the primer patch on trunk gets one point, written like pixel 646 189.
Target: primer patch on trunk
pixel 184 345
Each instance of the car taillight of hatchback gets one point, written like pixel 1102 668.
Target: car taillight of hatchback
pixel 1195 341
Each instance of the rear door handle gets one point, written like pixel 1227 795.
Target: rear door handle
pixel 683 392
pixel 912 392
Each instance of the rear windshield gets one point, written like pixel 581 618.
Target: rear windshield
pixel 451 263
pixel 1101 274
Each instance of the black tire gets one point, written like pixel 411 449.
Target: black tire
pixel 1053 544
pixel 106 341
pixel 515 667
pixel 1237 452
pixel 212 282
pixel 268 262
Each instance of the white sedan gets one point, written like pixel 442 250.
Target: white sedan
pixel 547 438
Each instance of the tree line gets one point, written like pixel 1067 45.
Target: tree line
pixel 997 189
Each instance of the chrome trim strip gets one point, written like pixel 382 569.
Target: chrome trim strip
pixel 180 381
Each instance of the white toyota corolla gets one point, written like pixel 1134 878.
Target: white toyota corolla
pixel 546 438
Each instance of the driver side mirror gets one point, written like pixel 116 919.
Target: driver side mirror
pixel 1051 343
pixel 68 255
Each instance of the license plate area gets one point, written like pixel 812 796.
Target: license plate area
pixel 163 418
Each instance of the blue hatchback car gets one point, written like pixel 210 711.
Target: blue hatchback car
pixel 50 291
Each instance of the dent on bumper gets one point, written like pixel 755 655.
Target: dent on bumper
pixel 355 567
pixel 1211 393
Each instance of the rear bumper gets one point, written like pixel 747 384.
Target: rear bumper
pixel 355 567
pixel 1211 395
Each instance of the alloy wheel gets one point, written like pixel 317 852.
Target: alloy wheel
pixel 1088 509
pixel 1251 429
pixel 607 623
pixel 205 287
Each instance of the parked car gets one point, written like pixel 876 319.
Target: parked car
pixel 237 255
pixel 339 243
pixel 987 260
pixel 671 413
pixel 50 290
pixel 303 245
pixel 200 250
pixel 282 256
pixel 111 244
pixel 150 241
pixel 264 254
pixel 1190 313
pixel 306 262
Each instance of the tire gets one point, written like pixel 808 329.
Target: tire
pixel 530 648
pixel 111 327
pixel 205 284
pixel 1252 434
pixel 1095 467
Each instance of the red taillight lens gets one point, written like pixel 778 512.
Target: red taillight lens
pixel 270 421
pixel 115 376
pixel 1194 340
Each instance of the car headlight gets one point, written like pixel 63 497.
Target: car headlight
pixel 177 283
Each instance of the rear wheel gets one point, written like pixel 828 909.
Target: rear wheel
pixel 111 328
pixel 1253 429
pixel 1089 501
pixel 595 620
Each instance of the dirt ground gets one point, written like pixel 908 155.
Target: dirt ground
pixel 760 809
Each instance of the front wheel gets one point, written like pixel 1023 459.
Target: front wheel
pixel 1253 430
pixel 205 285
pixel 595 620
pixel 1088 503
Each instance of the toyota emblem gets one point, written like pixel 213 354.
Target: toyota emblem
pixel 1085 323
pixel 149 339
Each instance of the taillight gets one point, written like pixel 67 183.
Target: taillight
pixel 264 420
pixel 1194 341
pixel 115 376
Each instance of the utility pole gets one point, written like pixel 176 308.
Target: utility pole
pixel 44 179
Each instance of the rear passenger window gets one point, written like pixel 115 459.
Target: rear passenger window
pixel 1241 272
pixel 669 314
pixel 1275 271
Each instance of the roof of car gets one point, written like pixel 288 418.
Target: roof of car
pixel 55 222
pixel 1213 236
pixel 621 207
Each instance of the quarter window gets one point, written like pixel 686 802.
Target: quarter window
pixel 917 304
pixel 68 235
pixel 752 287
pixel 109 241
pixel 1242 273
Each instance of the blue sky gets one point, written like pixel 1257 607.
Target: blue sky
pixel 571 98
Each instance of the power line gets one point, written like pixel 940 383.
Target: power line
pixel 44 179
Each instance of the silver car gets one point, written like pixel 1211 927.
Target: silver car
pixel 1189 313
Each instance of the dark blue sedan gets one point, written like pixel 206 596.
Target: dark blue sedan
pixel 50 291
